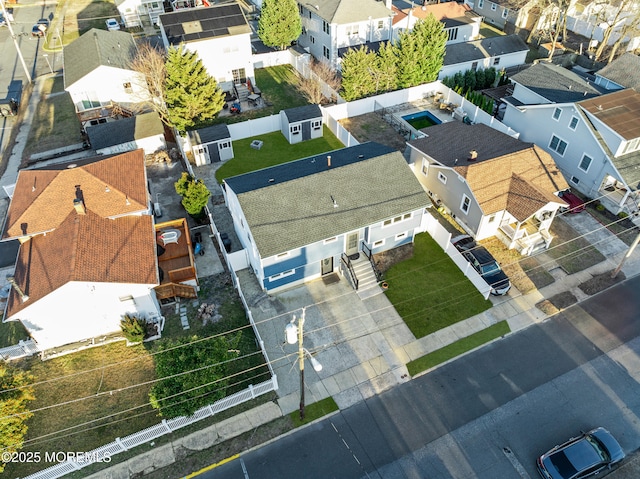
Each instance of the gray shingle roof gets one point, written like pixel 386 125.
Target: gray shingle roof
pixel 209 134
pixel 369 183
pixel 346 11
pixel 484 48
pixel 624 70
pixel 193 24
pixel 124 130
pixel 555 83
pixel 301 113
pixel 96 48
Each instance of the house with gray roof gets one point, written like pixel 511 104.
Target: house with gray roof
pixel 301 123
pixel 220 35
pixel 144 131
pixel 304 219
pixel 211 144
pixel 98 76
pixel 491 183
pixel 623 72
pixel 332 25
pixel 498 52
pixel 510 16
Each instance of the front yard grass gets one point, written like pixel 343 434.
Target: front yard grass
pixel 11 332
pixel 570 250
pixel 55 123
pixel 275 150
pixel 429 291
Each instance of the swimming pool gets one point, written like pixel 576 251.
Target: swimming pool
pixel 421 119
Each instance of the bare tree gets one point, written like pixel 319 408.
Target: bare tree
pixel 630 28
pixel 312 87
pixel 611 26
pixel 150 62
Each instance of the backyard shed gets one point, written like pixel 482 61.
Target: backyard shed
pixel 211 144
pixel 301 123
pixel 144 131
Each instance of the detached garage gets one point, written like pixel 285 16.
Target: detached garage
pixel 301 123
pixel 144 131
pixel 211 144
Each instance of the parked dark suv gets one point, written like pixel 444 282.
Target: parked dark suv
pixel 484 264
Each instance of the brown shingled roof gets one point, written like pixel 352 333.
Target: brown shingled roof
pixel 620 111
pixel 86 248
pixel 43 198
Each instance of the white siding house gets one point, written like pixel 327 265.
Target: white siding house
pixel 98 75
pixel 359 197
pixel 220 35
pixel 136 13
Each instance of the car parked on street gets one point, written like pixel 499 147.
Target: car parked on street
pixel 484 263
pixel 576 205
pixel 112 24
pixel 589 454
pixel 40 28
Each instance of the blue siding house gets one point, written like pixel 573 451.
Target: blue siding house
pixel 297 219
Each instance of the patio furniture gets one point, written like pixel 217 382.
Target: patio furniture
pixel 170 236
pixel 253 99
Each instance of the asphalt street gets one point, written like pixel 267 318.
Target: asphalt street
pixel 486 415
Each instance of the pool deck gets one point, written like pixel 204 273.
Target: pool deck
pixel 394 116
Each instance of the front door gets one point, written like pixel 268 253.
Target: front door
pixel 326 266
pixel 306 130
pixel 352 243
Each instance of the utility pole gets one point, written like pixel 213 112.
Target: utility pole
pixel 624 258
pixel 15 42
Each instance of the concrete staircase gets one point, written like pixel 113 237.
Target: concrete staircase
pixel 242 91
pixel 367 282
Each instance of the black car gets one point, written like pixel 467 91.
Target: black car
pixel 582 456
pixel 484 264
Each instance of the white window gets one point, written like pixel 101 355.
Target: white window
pixel 425 167
pixel 466 201
pixel 397 219
pixel 380 24
pixel 325 52
pixel 453 34
pixel 326 28
pixel 575 180
pixel 223 145
pixel 316 124
pixel 496 61
pixel 295 129
pixel 585 163
pixel 378 243
pixel 558 145
pixel 352 30
pixel 573 124
pixel 494 7
pixel 556 113
pixel 282 275
pixel 505 13
pixel 312 39
pixel 480 4
pixel 330 240
pixel 399 236
pixel 442 178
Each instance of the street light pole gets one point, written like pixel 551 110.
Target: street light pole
pixel 15 41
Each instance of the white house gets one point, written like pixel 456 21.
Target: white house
pixel 332 26
pixel 623 72
pixel 461 23
pixel 144 131
pixel 356 200
pixel 88 249
pixel 498 52
pixel 220 35
pixel 301 123
pixel 98 75
pixel 512 16
pixel 593 138
pixel 491 183
pixel 136 13
pixel 211 144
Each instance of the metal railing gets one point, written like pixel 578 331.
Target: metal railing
pixel 367 252
pixel 348 268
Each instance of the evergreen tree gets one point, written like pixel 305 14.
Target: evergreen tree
pixel 279 23
pixel 470 80
pixel 358 69
pixel 192 95
pixel 480 79
pixel 386 68
pixel 15 393
pixel 195 194
pixel 420 53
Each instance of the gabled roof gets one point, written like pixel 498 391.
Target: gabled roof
pixel 347 11
pixel 209 134
pixel 619 110
pixel 449 13
pixel 301 113
pixel 508 174
pixel 483 48
pixel 203 23
pixel 125 130
pixel 292 205
pixel 43 198
pixel 96 48
pixel 555 83
pixel 624 70
pixel 86 248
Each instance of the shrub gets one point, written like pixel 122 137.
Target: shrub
pixel 600 207
pixel 623 214
pixel 133 328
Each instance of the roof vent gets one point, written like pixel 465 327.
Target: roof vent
pixel 271 180
pixel 72 165
pixel 473 155
pixel 360 156
pixel 335 203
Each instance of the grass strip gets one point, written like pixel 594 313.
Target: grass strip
pixel 458 348
pixel 314 411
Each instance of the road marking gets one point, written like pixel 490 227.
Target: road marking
pixel 516 464
pixel 213 466
pixel 244 469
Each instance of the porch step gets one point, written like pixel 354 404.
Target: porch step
pixel 367 282
pixel 242 91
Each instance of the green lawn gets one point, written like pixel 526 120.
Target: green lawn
pixel 458 348
pixel 314 411
pixel 11 332
pixel 275 150
pixel 487 31
pixel 429 291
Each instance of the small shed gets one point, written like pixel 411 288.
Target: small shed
pixel 211 144
pixel 144 131
pixel 301 123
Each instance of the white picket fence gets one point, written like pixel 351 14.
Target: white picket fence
pixel 149 434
